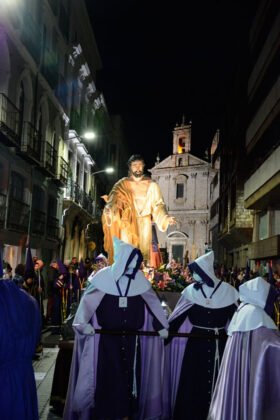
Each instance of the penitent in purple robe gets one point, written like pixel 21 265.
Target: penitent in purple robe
pixel 116 376
pixel 248 386
pixel 20 325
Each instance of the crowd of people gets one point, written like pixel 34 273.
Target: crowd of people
pixel 60 285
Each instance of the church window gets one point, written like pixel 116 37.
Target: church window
pixel 182 145
pixel 179 190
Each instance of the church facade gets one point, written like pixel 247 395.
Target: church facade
pixel 184 180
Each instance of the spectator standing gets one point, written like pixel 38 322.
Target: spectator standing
pixel 52 275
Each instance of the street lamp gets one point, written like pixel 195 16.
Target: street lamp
pixel 108 170
pixel 88 135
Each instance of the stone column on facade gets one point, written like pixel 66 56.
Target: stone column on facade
pixel 74 164
pixel 82 247
pixel 76 242
pixel 68 228
pixel 193 245
pixel 194 175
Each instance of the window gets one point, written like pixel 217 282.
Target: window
pixel 38 198
pixel 52 206
pixel 17 186
pixel 263 225
pixel 180 162
pixel 179 190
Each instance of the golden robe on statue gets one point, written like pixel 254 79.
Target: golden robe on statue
pixel 126 222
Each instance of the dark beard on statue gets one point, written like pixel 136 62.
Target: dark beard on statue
pixel 137 174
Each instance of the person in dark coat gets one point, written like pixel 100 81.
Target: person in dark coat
pixel 72 288
pixel 52 275
pixel 192 364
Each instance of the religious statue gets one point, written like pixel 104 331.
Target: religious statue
pixel 130 207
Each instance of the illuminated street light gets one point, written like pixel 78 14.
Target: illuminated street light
pixel 107 170
pixel 89 135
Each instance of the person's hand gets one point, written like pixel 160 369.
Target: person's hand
pixel 29 281
pixel 163 333
pixel 171 220
pixel 71 287
pixel 61 277
pixel 40 289
pixel 89 330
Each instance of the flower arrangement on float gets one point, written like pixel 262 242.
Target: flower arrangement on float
pixel 170 277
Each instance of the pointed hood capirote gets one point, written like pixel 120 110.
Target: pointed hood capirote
pixel 204 267
pixel 127 262
pixel 225 294
pixel 257 299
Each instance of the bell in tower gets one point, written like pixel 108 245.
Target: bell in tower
pixel 182 137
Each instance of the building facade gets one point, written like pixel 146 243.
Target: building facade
pixel 262 142
pixel 184 180
pixel 48 101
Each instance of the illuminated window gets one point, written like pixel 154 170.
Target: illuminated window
pixel 182 145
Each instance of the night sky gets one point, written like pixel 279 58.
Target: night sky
pixel 161 61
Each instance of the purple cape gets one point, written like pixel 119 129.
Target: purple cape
pixel 82 383
pixel 20 325
pixel 248 384
pixel 173 359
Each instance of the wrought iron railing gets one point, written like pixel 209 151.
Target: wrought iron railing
pixel 9 119
pixel 62 173
pixel 50 158
pixel 77 194
pixel 18 215
pixel 31 142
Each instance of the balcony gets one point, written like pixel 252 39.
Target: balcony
pixel 75 193
pixel 18 215
pixel 9 122
pixel 52 228
pixel 38 222
pixel 31 143
pixel 62 172
pixel 31 36
pixel 265 248
pixel 50 159
pixel 3 206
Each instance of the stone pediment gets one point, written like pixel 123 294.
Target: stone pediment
pixel 171 161
pixel 165 163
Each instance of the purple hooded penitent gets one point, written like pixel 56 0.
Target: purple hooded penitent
pixel 61 267
pixel 117 376
pixel 248 386
pixel 192 364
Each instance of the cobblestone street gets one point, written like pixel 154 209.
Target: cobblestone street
pixel 44 370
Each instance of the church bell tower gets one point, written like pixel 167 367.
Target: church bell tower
pixel 182 137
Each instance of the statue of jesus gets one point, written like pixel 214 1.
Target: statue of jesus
pixel 130 207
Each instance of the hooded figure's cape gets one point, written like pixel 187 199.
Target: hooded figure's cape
pixel 226 295
pixel 248 383
pixel 82 383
